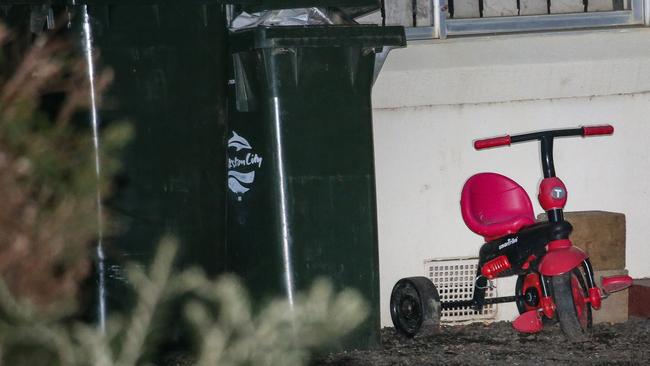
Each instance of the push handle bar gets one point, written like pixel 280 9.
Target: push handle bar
pixel 507 139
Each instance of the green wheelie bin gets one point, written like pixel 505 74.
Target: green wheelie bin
pixel 301 178
pixel 169 61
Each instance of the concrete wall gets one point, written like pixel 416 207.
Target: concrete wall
pixel 434 98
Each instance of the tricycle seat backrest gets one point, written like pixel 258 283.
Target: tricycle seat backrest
pixel 494 205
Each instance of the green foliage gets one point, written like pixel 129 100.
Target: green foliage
pixel 48 209
pixel 48 218
pixel 228 332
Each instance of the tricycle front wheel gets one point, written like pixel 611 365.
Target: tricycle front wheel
pixel 572 308
pixel 415 306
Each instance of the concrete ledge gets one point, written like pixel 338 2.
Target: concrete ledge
pixel 615 308
pixel 516 67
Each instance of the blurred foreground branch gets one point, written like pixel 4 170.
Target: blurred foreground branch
pixel 48 212
pixel 228 332
pixel 48 219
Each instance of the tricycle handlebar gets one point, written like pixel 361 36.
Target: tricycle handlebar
pixel 597 130
pixel 507 139
pixel 492 142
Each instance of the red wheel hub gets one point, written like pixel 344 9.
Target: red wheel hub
pixel 532 290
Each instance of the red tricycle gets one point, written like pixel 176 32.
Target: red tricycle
pixel 555 278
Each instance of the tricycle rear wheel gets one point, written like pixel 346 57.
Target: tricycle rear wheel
pixel 415 306
pixel 528 293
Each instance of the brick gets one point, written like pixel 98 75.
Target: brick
pixel 466 9
pixel 639 303
pixel 600 5
pixel 601 234
pixel 533 7
pixel 399 12
pixel 567 6
pixel 500 8
pixel 615 308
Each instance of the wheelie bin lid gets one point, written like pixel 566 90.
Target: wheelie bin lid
pixel 317 36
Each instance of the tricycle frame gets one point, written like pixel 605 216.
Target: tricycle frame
pixel 555 278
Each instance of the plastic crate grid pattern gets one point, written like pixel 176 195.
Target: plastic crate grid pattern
pixel 454 279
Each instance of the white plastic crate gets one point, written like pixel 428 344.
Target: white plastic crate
pixel 454 279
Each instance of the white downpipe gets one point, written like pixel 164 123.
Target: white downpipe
pixel 439 18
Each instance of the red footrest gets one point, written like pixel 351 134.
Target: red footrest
pixel 529 322
pixel 616 283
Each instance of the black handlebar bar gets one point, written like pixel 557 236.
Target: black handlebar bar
pixel 546 143
pixel 546 140
pixel 507 139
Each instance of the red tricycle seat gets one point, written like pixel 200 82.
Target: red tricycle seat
pixel 494 205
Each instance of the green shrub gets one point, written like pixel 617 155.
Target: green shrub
pixel 228 333
pixel 48 222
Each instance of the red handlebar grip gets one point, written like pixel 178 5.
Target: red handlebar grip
pixel 492 142
pixel 597 130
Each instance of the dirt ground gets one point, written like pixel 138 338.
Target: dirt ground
pixel 489 344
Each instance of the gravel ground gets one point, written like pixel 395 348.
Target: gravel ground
pixel 485 344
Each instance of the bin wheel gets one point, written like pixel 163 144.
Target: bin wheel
pixel 415 306
pixel 573 311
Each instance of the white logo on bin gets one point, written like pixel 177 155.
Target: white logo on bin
pixel 242 163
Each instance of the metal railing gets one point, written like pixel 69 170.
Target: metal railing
pixel 442 27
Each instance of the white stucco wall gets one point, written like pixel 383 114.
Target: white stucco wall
pixel 434 98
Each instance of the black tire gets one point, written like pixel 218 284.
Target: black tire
pixel 415 307
pixel 574 315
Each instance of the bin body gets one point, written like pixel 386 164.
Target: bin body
pixel 301 197
pixel 169 64
pixel 169 61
